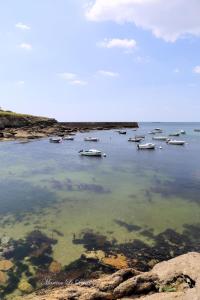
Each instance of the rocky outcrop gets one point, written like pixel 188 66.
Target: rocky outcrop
pixel 14 120
pixel 178 278
pixel 18 126
pixel 99 125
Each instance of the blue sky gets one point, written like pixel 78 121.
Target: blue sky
pixel 113 60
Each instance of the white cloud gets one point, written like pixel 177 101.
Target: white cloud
pixel 67 76
pixel 196 70
pixel 20 83
pixel 25 46
pixel 108 73
pixel 78 82
pixel 22 26
pixel 176 70
pixel 168 20
pixel 118 43
pixel 72 78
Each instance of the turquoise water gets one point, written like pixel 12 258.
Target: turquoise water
pixel 51 188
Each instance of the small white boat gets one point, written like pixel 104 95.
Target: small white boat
pixel 182 131
pixel 91 139
pixel 159 130
pixel 148 146
pixel 91 152
pixel 174 134
pixel 176 142
pixel 68 138
pixel 160 138
pixel 55 140
pixel 135 139
pixel 140 136
pixel 122 132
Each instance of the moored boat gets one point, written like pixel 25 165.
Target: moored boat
pixel 197 130
pixel 148 146
pixel 182 131
pixel 91 152
pixel 68 138
pixel 91 139
pixel 122 132
pixel 160 138
pixel 140 136
pixel 135 139
pixel 55 140
pixel 174 134
pixel 175 142
pixel 158 130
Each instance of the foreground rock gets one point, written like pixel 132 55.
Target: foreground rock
pixel 178 278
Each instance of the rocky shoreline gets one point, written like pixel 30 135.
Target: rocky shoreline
pixel 16 126
pixel 178 278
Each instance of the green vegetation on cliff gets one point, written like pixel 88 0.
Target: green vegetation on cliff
pixel 9 119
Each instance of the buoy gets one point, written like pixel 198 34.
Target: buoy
pixel 104 155
pixel 160 147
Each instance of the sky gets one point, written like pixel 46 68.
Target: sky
pixel 101 60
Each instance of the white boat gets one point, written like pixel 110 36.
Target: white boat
pixel 91 152
pixel 68 138
pixel 174 134
pixel 182 131
pixel 155 131
pixel 91 139
pixel 135 139
pixel 159 130
pixel 140 136
pixel 160 138
pixel 55 140
pixel 176 142
pixel 148 146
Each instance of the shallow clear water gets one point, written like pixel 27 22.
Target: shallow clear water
pixel 50 187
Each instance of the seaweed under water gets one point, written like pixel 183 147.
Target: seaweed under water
pixel 129 227
pixel 34 251
pixel 19 197
pixel 166 245
pixel 185 188
pixel 70 186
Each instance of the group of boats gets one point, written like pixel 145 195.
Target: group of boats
pixel 137 139
pixel 71 138
pixel 157 137
pixel 90 152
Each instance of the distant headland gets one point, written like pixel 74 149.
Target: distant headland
pixel 24 126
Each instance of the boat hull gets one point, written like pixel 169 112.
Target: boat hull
pixel 176 143
pixel 160 138
pixel 91 154
pixel 146 147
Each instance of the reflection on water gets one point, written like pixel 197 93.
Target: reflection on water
pixel 137 207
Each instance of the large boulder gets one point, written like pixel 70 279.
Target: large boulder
pixel 177 279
